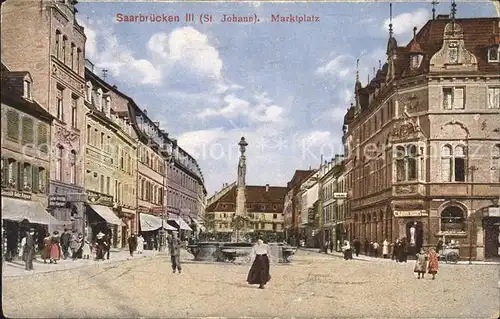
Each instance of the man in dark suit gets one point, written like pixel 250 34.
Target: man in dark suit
pixel 174 246
pixel 29 249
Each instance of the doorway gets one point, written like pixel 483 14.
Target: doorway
pixel 419 236
pixel 491 237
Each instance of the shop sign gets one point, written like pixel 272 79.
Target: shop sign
pixel 494 212
pixel 339 195
pixel 57 200
pixel 410 213
pixel 99 199
pixel 16 194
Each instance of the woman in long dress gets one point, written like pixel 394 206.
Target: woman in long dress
pixel 55 248
pixel 385 249
pixel 433 266
pixel 420 264
pixel 140 244
pixel 46 248
pixel 259 272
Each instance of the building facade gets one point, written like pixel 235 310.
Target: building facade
pixel 56 65
pixel 110 162
pixel 422 140
pixel 309 191
pixel 292 206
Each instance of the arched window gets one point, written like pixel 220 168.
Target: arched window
pixel 59 158
pixel 446 163
pixel 72 171
pixel 459 164
pixel 400 164
pixel 412 162
pixel 495 164
pixel 452 219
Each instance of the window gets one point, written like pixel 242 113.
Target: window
pixel 108 185
pixel 78 57
pixel 108 144
pixel 495 161
pixel 42 180
pixel 27 89
pixel 446 163
pixel 400 164
pixel 98 103
pixel 74 113
pixel 59 156
pixel 101 184
pixel 89 133
pixel 27 130
pixel 494 98
pixel 72 171
pixel 453 98
pixel 42 136
pixel 59 104
pixel 63 48
pixel 452 219
pixel 116 190
pixel 57 46
pixel 13 125
pixel 494 54
pixel 459 165
pixel 27 178
pixel 102 140
pixel 412 162
pixel 72 54
pixel 143 189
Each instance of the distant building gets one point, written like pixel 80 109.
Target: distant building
pixel 422 141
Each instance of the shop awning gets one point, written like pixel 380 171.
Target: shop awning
pixel 180 222
pixel 107 214
pixel 151 223
pixel 198 224
pixel 18 210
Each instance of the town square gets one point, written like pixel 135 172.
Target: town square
pixel 253 159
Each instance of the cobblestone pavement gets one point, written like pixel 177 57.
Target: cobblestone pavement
pixel 313 285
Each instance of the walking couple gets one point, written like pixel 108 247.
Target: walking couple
pixel 422 265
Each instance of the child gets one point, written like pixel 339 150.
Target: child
pixel 86 250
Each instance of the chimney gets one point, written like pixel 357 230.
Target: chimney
pixel 157 124
pixel 145 111
pixel 443 17
pixel 115 87
pixel 267 187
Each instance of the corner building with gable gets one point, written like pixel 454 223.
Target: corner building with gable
pixel 422 140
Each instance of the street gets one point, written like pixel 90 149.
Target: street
pixel 314 285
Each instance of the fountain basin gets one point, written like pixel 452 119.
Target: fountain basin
pixel 206 251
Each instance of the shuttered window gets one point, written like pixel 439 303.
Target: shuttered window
pixel 494 98
pixel 42 137
pixel 27 176
pixel 20 176
pixel 13 125
pixel 27 130
pixel 5 172
pixel 34 173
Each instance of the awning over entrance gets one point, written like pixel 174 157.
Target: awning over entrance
pixel 179 221
pixel 198 224
pixel 18 210
pixel 151 223
pixel 107 214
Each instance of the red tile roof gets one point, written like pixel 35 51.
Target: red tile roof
pixel 255 195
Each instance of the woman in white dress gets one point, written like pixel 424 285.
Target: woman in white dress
pixel 140 244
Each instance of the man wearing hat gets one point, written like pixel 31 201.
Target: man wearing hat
pixel 29 249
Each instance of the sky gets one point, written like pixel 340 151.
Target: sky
pixel 285 87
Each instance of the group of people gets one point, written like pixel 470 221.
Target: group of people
pixel 427 263
pixel 135 244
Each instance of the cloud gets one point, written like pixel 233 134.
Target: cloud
pixel 316 138
pixel 188 48
pixel 404 23
pixel 336 66
pixel 117 58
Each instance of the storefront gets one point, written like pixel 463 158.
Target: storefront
pixel 150 227
pixel 67 204
pixel 179 224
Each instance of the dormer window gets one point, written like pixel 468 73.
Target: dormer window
pixel 494 54
pixel 107 105
pixel 416 60
pixel 27 89
pixel 99 100
pixel 89 92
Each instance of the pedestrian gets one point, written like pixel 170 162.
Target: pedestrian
pixel 21 248
pixel 385 248
pixel 65 243
pixel 259 272
pixel 85 249
pixel 132 244
pixel 395 250
pixel 107 241
pixel 347 250
pixel 74 245
pixel 432 268
pixel 325 247
pixel 55 247
pixel 46 248
pixel 420 263
pixel 29 249
pixel 357 246
pixel 366 246
pixel 375 249
pixel 140 244
pixel 174 246
pixel 100 246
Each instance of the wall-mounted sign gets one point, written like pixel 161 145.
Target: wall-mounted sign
pixel 410 213
pixel 339 195
pixel 494 211
pixel 99 199
pixel 16 194
pixel 57 200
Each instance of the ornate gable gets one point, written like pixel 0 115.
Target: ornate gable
pixel 406 129
pixel 453 55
